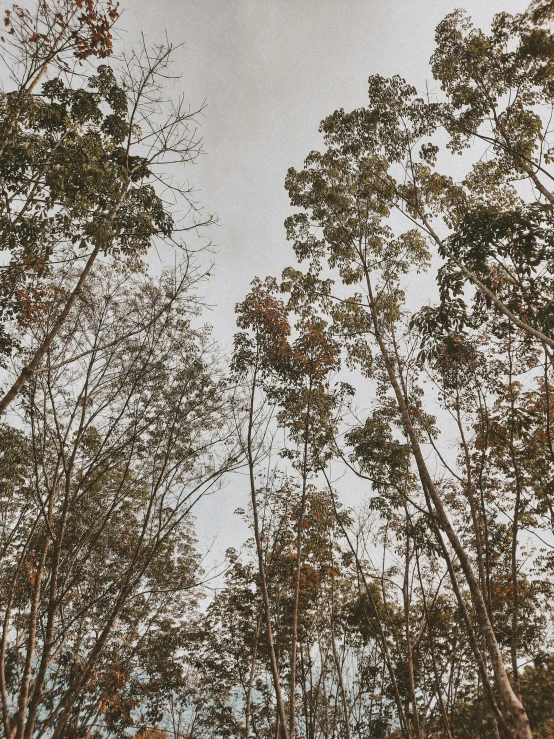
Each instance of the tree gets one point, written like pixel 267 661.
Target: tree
pixel 384 158
pixel 82 162
pixel 99 565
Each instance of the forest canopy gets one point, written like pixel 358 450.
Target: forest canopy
pixel 425 609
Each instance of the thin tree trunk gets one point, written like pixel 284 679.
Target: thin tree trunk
pixel 338 667
pixel 51 611
pixel 300 523
pixel 515 531
pixel 251 679
pixel 471 499
pixel 282 718
pixel 33 623
pixel 409 650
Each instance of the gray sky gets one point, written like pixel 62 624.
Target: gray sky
pixel 270 70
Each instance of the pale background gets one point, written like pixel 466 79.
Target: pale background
pixel 269 71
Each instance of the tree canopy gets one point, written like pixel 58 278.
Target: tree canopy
pixel 424 609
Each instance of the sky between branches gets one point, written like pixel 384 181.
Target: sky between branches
pixel 269 71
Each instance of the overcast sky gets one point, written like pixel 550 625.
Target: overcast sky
pixel 269 71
